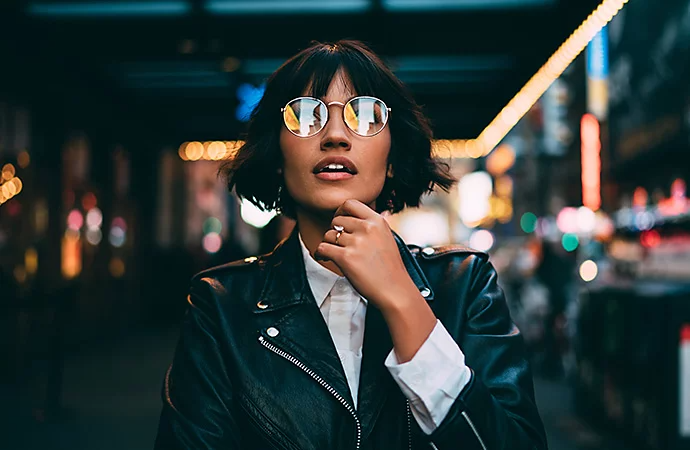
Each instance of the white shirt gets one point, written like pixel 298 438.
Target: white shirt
pixel 431 380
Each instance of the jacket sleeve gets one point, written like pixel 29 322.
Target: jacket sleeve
pixel 496 409
pixel 197 391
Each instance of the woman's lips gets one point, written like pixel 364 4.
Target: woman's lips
pixel 334 176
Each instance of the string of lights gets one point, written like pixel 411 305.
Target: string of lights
pixel 10 184
pixel 519 105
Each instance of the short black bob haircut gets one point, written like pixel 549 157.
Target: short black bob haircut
pixel 254 171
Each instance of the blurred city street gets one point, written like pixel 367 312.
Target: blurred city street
pixel 144 141
pixel 111 401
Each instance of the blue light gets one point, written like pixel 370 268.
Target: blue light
pixel 249 96
pixel 459 5
pixel 286 6
pixel 104 9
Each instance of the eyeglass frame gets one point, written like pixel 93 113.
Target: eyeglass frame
pixel 328 114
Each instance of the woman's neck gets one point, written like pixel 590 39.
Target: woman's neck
pixel 312 229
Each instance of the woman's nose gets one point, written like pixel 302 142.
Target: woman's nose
pixel 335 135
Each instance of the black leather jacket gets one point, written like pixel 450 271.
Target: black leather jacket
pixel 255 367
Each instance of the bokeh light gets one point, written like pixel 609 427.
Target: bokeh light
pixel 586 219
pixel 23 159
pixel 216 150
pixel 119 222
pixel 17 184
pixel 650 238
pixel 194 151
pixel 212 242
pixel 482 240
pixel 117 237
pixel 644 220
pixel 31 260
pixel 8 172
pixel 89 201
pixel 588 270
pixel 94 218
pixel 567 220
pixel 75 219
pixel 116 267
pixel 570 242
pixel 94 236
pixel 528 222
pixel 212 225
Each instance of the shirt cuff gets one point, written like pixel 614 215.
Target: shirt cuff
pixel 433 378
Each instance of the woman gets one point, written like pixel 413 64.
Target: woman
pixel 378 345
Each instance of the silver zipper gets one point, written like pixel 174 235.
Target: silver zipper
pixel 319 380
pixel 474 429
pixel 409 427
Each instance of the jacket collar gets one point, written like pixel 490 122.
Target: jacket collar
pixel 286 281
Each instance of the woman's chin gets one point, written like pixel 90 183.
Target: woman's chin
pixel 328 205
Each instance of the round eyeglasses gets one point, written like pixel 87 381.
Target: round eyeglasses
pixel 307 116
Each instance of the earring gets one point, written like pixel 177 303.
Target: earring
pixel 391 204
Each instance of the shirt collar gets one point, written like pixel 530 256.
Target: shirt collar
pixel 321 280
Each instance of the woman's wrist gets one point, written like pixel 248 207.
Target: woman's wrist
pixel 410 321
pixel 395 300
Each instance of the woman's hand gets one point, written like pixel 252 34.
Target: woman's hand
pixel 368 255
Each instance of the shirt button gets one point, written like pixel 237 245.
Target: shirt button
pixel 273 332
pixel 262 305
pixel 425 292
pixel 428 250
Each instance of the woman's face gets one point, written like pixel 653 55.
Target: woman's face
pixel 323 191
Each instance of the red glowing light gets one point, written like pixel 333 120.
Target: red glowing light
pixel 650 239
pixel 119 222
pixel 685 334
pixel 75 219
pixel 591 162
pixel 13 208
pixel 640 197
pixel 89 201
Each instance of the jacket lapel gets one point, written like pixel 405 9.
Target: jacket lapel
pixel 288 306
pixel 375 381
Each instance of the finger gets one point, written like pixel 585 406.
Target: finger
pixel 330 252
pixel 331 236
pixel 355 208
pixel 349 224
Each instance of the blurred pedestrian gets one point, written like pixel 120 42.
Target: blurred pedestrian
pixel 555 272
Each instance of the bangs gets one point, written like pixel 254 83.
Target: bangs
pixel 311 73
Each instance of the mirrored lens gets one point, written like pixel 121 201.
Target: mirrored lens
pixel 305 116
pixel 365 116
